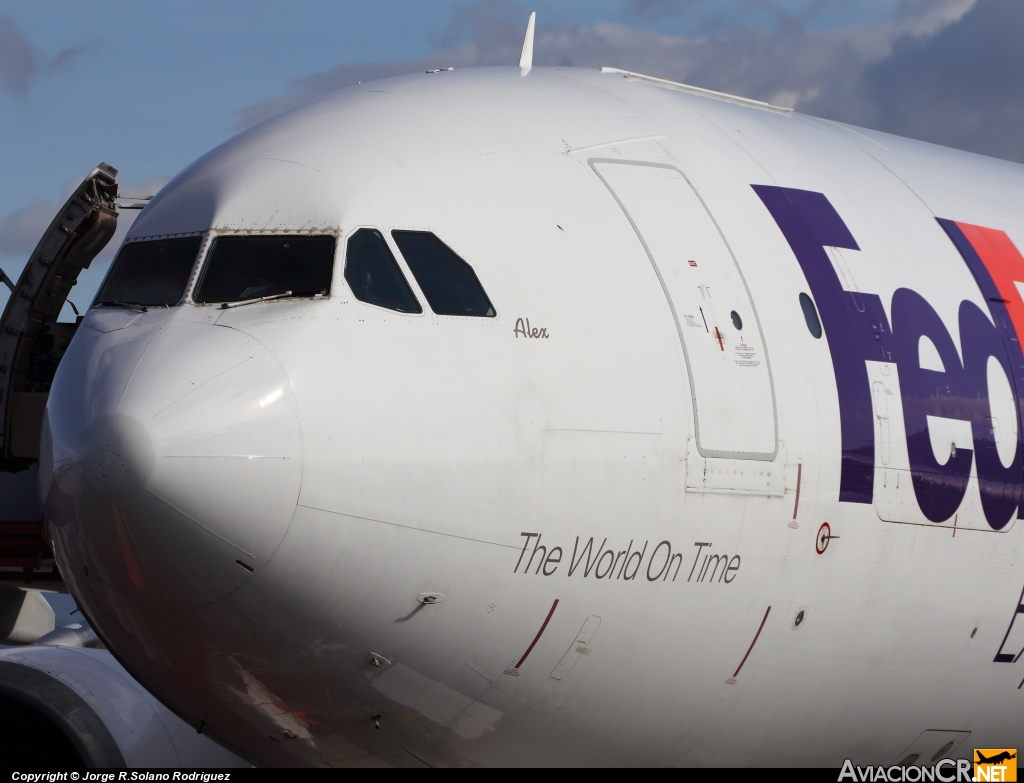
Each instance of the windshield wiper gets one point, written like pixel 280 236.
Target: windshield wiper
pixel 130 305
pixel 270 297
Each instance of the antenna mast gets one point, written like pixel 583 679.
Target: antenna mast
pixel 526 61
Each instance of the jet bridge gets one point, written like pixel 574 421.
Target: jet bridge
pixel 32 343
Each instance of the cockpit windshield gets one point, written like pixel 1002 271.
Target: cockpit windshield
pixel 241 268
pixel 150 273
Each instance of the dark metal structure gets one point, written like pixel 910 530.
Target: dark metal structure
pixel 32 343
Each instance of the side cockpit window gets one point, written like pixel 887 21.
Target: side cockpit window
pixel 242 268
pixel 373 274
pixel 150 273
pixel 449 283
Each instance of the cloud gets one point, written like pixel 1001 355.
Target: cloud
pixel 21 63
pixel 940 70
pixel 66 57
pixel 718 17
pixel 951 87
pixel 486 23
pixel 493 28
pixel 22 230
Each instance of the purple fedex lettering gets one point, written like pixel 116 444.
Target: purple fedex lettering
pixel 939 487
pixel 1000 485
pixel 996 264
pixel 858 331
pixel 1005 655
pixel 810 224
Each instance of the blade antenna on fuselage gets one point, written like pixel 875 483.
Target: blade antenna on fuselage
pixel 526 61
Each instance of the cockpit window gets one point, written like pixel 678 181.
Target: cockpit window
pixel 373 274
pixel 449 283
pixel 240 268
pixel 150 273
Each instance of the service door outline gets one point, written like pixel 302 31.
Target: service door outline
pixel 730 377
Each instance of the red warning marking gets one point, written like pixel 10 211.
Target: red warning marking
pixel 824 536
pixel 731 681
pixel 799 472
pixel 793 525
pixel 718 335
pixel 759 628
pixel 128 550
pixel 537 637
pixel 1004 263
pixel 692 262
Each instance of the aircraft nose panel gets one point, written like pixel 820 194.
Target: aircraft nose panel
pixel 171 467
pixel 117 455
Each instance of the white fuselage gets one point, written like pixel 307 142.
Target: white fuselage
pixel 615 489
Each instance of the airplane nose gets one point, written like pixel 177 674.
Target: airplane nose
pixel 170 462
pixel 117 455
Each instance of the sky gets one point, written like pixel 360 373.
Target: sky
pixel 150 86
